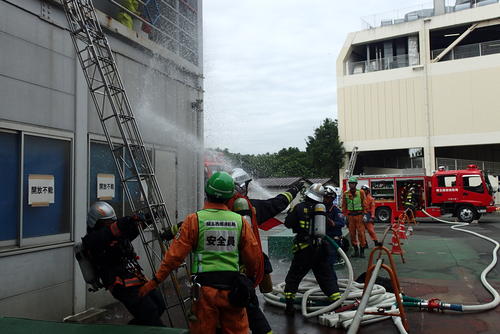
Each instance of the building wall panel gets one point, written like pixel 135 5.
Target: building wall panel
pixel 51 303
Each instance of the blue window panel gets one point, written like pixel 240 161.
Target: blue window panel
pixel 52 157
pixel 9 196
pixel 101 162
pixel 133 186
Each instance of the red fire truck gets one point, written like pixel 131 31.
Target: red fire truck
pixel 466 194
pixel 213 162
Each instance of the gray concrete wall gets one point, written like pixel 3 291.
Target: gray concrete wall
pixel 42 87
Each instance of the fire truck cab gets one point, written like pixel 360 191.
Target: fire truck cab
pixel 465 194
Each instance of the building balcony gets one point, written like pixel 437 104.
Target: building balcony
pixel 172 24
pixel 381 64
pixel 470 50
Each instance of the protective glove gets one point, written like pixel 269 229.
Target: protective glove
pixel 365 219
pixel 296 188
pixel 138 217
pixel 128 226
pixel 147 288
pixel 170 232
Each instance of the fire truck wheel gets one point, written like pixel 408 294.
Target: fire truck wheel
pixel 383 214
pixel 466 214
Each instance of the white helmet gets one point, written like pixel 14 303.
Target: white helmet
pixel 330 191
pixel 315 192
pixel 240 177
pixel 99 210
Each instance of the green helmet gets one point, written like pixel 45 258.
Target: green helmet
pixel 353 179
pixel 220 185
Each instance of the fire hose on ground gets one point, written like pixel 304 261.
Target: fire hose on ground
pixel 436 304
pixel 314 303
pixel 341 314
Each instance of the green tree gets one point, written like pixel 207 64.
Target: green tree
pixel 292 162
pixel 325 150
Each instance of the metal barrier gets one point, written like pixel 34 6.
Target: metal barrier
pixel 470 50
pixel 417 12
pixel 381 64
pixel 455 164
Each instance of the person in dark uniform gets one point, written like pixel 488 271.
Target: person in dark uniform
pixel 411 203
pixel 334 224
pixel 309 251
pixel 107 245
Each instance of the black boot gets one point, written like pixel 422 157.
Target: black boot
pixel 362 252
pixel 290 308
pixel 377 243
pixel 356 251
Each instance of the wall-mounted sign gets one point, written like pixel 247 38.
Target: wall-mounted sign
pixel 105 186
pixel 40 189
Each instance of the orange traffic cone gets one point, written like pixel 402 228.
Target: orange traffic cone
pixel 396 247
pixel 402 232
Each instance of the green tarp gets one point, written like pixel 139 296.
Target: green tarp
pixel 27 326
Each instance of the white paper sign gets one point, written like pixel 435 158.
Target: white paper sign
pixel 40 190
pixel 105 186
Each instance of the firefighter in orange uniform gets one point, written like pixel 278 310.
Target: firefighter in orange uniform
pixel 220 240
pixel 369 217
pixel 353 207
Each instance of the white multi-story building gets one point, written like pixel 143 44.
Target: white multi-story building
pixel 49 129
pixel 420 90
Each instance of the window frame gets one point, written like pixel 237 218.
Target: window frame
pixel 35 243
pixel 443 177
pixel 470 188
pixel 100 139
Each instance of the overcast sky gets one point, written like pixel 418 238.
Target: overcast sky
pixel 269 68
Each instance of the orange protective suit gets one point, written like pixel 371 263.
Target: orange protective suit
pixel 355 220
pixel 370 212
pixel 213 307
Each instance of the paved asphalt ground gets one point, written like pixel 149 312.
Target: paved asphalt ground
pixel 440 263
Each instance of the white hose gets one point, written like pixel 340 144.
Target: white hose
pixel 352 291
pixel 496 297
pixel 397 320
pixel 334 305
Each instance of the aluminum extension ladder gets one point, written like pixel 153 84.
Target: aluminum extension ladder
pixel 113 107
pixel 349 170
pixel 352 162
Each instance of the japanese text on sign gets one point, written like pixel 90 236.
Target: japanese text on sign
pixel 41 190
pixel 105 186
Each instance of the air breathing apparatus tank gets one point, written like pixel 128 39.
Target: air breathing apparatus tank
pixel 241 207
pixel 318 227
pixel 88 270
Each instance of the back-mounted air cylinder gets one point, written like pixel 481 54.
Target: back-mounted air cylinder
pixel 319 222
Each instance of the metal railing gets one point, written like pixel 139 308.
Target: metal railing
pixel 470 50
pixel 381 64
pixel 490 167
pixel 172 24
pixel 420 11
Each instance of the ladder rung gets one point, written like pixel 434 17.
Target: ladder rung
pixel 138 176
pixel 109 117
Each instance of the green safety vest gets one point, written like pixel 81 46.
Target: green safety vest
pixel 219 233
pixel 353 204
